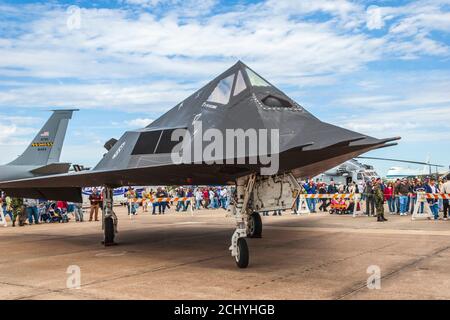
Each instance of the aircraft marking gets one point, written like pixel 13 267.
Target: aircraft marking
pixel 42 144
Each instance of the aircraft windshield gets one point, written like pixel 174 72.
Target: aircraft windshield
pixel 240 84
pixel 222 91
pixel 256 80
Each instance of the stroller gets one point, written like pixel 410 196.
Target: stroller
pixel 62 215
pixel 338 206
pixel 56 214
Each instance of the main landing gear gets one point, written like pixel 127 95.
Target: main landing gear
pixel 109 218
pixel 256 194
pixel 254 225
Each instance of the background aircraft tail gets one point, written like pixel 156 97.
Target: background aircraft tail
pixel 46 147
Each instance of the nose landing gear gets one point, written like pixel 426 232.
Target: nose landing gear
pixel 242 254
pixel 254 226
pixel 239 248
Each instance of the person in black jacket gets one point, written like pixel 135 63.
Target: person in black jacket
pixel 323 190
pixel 332 189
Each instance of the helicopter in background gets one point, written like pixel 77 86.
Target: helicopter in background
pixel 348 172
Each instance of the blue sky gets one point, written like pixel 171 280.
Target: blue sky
pixel 377 67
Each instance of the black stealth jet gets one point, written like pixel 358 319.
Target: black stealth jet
pixel 190 145
pixel 239 98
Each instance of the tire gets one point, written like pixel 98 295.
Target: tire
pixel 254 226
pixel 109 231
pixel 242 258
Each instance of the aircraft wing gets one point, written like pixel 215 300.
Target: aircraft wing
pixel 68 186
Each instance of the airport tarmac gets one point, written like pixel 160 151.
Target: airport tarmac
pixel 180 256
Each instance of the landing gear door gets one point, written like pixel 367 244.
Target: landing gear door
pixel 275 193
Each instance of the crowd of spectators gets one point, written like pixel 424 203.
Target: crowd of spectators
pixel 35 211
pixel 198 197
pixel 400 197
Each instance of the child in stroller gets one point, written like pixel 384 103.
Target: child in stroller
pixel 338 206
pixel 56 214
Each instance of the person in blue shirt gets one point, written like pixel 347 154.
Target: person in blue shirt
pixel 311 188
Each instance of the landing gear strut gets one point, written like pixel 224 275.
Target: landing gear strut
pixel 256 194
pixel 239 248
pixel 109 218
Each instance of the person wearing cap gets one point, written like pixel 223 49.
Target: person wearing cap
pixel 446 190
pixel 379 200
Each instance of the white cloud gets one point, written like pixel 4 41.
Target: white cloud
pixel 139 122
pixel 374 18
pixel 186 7
pixel 14 133
pixel 132 44
pixel 412 104
pixel 111 44
pixel 157 97
pixel 413 125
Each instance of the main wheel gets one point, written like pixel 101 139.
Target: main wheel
pixel 242 256
pixel 254 229
pixel 109 231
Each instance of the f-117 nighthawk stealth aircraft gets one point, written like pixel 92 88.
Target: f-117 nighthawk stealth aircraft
pixel 237 130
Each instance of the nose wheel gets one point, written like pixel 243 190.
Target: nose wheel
pixel 242 253
pixel 239 248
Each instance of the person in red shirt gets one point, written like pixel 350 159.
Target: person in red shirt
pixel 62 205
pixel 389 197
pixel 205 198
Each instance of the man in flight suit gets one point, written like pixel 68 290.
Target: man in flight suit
pixel 379 200
pixel 18 211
